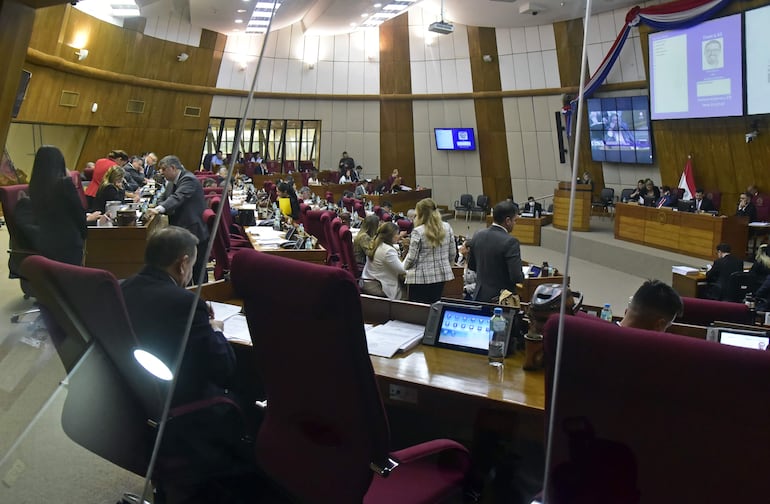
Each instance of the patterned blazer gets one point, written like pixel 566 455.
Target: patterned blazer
pixel 426 264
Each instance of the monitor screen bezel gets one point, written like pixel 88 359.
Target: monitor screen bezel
pixel 759 333
pixel 484 310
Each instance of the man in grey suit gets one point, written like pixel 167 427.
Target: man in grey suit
pixel 496 255
pixel 183 202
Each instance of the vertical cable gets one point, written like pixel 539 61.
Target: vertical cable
pixel 567 251
pixel 178 361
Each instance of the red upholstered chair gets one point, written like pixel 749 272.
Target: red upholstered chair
pixel 348 203
pixel 378 211
pixel 331 224
pixel 273 166
pixel 78 183
pixel 335 177
pixel 325 427
pixel 221 250
pixel 212 190
pixel 249 169
pixel 236 234
pixel 716 197
pixel 20 239
pixel 642 416
pixel 762 203
pixel 314 227
pixel 329 197
pixel 305 177
pixel 358 207
pixel 111 400
pixel 705 311
pixel 288 167
pixel 405 225
pixel 347 256
pixel 386 217
pixel 305 166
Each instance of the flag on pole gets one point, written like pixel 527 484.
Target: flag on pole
pixel 687 181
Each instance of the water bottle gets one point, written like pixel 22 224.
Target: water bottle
pixel 606 313
pixel 301 230
pixel 497 330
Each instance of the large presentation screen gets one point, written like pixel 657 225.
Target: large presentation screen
pixel 698 71
pixel 620 129
pixel 758 61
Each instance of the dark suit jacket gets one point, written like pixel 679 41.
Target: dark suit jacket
pixel 62 224
pixel 706 205
pixel 496 259
pixel 184 204
pixel 748 211
pixel 105 194
pixel 719 274
pixel 538 208
pixel 158 310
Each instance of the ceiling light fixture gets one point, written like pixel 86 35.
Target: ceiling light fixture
pixel 239 21
pixel 81 54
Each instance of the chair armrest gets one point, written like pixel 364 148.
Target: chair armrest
pixel 429 448
pixel 195 406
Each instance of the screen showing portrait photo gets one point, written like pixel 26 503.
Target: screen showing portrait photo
pixel 455 139
pixel 697 71
pixel 470 330
pixel 758 61
pixel 620 129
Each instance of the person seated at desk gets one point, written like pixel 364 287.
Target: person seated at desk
pixel 654 306
pixel 306 195
pixel 701 204
pixel 360 191
pixel 383 269
pixel 313 178
pixel 651 191
pixel 746 208
pixel 287 200
pixel 347 177
pixel 533 207
pixel 666 199
pixel 469 276
pixel 761 267
pixel 364 239
pixel 134 174
pixel 111 188
pixel 638 194
pixel 718 275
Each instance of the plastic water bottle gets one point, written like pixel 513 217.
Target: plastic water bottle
pixel 302 230
pixel 497 330
pixel 606 313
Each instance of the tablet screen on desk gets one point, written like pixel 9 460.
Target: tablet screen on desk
pixel 466 329
pixel 757 340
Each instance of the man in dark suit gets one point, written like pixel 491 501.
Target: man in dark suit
pixel 183 202
pixel 701 203
pixel 746 208
pixel 718 276
pixel 533 207
pixel 496 255
pixel 666 198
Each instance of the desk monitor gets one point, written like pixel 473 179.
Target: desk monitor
pixel 534 271
pixel 649 201
pixel 683 206
pixel 463 327
pixel 757 340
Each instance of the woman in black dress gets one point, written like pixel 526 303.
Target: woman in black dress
pixel 57 208
pixel 111 188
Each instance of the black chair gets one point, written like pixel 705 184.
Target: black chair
pixel 481 207
pixel 606 202
pixel 740 285
pixel 465 204
pixel 625 195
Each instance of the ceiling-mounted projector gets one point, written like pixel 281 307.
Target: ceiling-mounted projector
pixel 441 27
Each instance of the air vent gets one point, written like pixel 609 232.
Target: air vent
pixel 192 111
pixel 135 107
pixel 69 99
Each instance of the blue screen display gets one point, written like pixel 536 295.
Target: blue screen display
pixel 455 139
pixel 464 329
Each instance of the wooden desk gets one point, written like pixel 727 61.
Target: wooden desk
pixel 402 200
pixel 696 235
pixel 689 285
pixel 316 255
pixel 527 229
pixel 118 249
pixel 561 198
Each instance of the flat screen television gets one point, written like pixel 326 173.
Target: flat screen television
pixel 620 129
pixel 697 71
pixel 455 139
pixel 757 60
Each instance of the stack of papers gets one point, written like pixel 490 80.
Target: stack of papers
pixel 386 339
pixel 236 329
pixel 683 270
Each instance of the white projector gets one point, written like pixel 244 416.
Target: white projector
pixel 441 27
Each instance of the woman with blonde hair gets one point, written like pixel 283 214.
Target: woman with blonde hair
pixel 383 266
pixel 432 251
pixel 364 239
pixel 111 188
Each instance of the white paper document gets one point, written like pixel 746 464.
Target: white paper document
pixel 386 339
pixel 236 329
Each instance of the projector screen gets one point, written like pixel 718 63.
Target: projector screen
pixel 758 61
pixel 698 71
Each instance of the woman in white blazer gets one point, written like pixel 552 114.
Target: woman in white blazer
pixel 432 252
pixel 383 264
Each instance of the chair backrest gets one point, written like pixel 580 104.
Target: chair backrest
pixel 482 201
pixel 386 217
pixel 288 167
pixel 314 226
pixel 607 195
pixel 348 203
pixel 466 200
pixel 78 183
pixel 339 427
pixel 212 190
pixel 21 238
pixel 739 285
pixel 642 416
pixel 405 225
pixel 331 237
pixel 9 196
pixel 377 209
pixel 625 194
pixel 347 256
pixel 705 311
pixel 305 166
pixel 273 166
pixel 220 246
pixel 715 196
pixel 358 207
pixel 762 203
pixel 110 397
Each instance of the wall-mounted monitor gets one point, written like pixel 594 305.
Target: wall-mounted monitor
pixel 455 139
pixel 758 61
pixel 697 71
pixel 620 129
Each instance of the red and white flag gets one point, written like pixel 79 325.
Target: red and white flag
pixel 687 181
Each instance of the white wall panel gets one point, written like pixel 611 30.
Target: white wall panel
pixel 542 113
pixel 607 30
pixel 446 48
pixel 341 48
pixel 265 77
pixel 518 41
pixel 416 44
pixel 294 76
pixel 372 77
pixel 551 68
pixel 507 73
pixel 355 78
pixel 547 37
pixel 283 43
pixel 324 81
pixel 511 112
pixel 326 49
pixel 355 117
pixel 460 39
pixel 309 79
pixel 521 71
pixel 218 105
pixel 271 43
pixel 464 77
pixel 515 154
pixel 275 109
pixel 536 71
pixel 280 71
pixel 357 48
pixel 503 37
pixel 433 73
pixel 420 115
pixel 307 109
pixel 531 155
pixel 532 37
pixel 419 78
pixel 340 77
pixel 448 76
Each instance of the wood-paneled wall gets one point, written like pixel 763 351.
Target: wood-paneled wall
pixel 163 126
pixel 396 116
pixel 490 115
pixel 16 22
